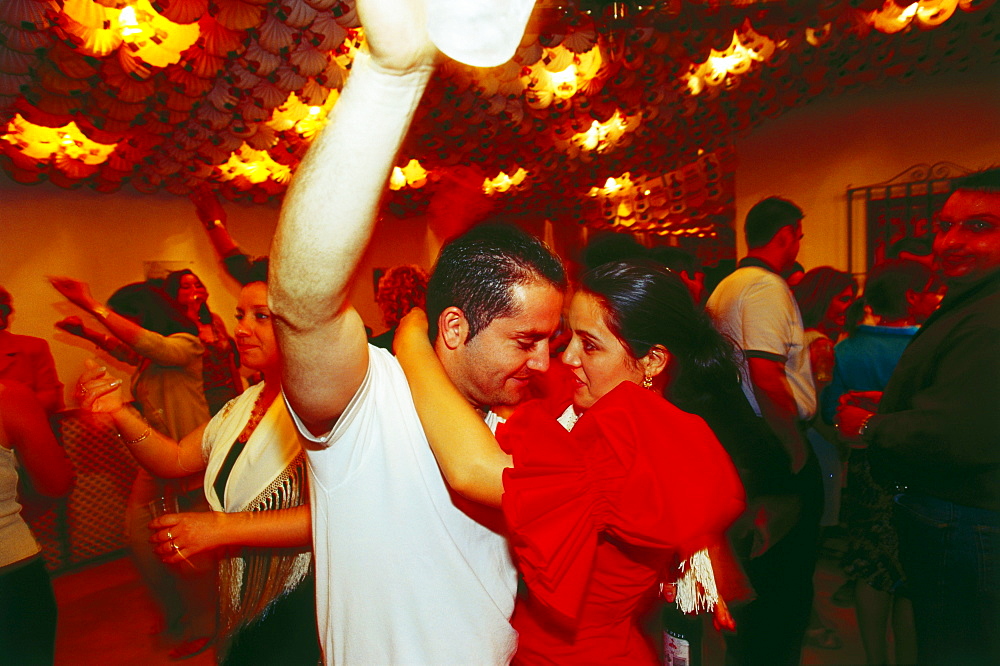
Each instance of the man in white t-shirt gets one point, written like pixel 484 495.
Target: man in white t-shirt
pixel 755 308
pixel 403 574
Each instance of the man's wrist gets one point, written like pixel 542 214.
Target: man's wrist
pixel 864 430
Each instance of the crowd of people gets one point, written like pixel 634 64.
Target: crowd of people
pixel 618 439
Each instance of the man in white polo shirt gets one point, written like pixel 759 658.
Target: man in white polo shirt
pixel 403 574
pixel 755 308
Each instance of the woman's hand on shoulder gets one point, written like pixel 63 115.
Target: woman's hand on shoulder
pixel 412 332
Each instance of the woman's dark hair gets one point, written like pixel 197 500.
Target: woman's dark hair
pixel 151 308
pixel 645 305
pixel 172 287
pixel 257 271
pixel 817 290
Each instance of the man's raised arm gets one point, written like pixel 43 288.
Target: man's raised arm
pixel 330 212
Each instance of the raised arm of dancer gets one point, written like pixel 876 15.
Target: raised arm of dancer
pixel 468 454
pixel 157 453
pixel 78 293
pixel 330 212
pixel 106 343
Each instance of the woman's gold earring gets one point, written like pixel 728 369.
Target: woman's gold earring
pixel 647 382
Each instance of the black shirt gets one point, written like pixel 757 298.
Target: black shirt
pixel 938 425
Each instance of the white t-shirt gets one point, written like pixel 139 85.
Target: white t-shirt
pixel 402 575
pixel 756 309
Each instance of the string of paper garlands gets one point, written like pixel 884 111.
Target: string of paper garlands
pixel 166 94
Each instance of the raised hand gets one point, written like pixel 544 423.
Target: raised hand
pixel 396 32
pixel 76 291
pixel 98 390
pixel 206 204
pixel 72 325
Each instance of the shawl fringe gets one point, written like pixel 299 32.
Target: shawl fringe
pixel 252 579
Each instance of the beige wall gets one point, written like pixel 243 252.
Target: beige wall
pixel 810 155
pixel 813 154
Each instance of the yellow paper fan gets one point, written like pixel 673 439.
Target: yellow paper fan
pixel 331 32
pixel 133 65
pixel 24 41
pixel 28 14
pixel 10 84
pixel 289 79
pixel 15 62
pixel 181 11
pixel 218 39
pixel 75 169
pixel 90 14
pixel 204 64
pixel 265 137
pixel 252 113
pixel 90 40
pixel 54 81
pixel 259 60
pixel 300 14
pixel 237 15
pixel 313 93
pixel 274 35
pixel 307 60
pixel 269 95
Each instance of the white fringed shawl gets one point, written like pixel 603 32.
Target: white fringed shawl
pixel 269 474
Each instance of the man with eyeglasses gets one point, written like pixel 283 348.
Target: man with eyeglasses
pixel 935 434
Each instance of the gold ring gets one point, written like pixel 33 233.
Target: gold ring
pixel 176 548
pixel 170 536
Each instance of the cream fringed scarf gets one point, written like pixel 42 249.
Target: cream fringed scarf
pixel 269 474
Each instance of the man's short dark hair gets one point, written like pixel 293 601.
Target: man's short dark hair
pixel 888 282
pixel 676 259
pixel 611 246
pixel 475 273
pixel 767 217
pixel 987 180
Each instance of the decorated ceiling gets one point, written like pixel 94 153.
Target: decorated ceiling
pixel 614 114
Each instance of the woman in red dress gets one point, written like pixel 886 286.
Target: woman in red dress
pixel 612 490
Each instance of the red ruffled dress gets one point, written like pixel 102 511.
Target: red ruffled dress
pixel 601 515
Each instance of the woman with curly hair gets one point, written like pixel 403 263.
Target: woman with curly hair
pixel 400 289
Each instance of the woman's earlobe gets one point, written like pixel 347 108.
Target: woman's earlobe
pixel 656 360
